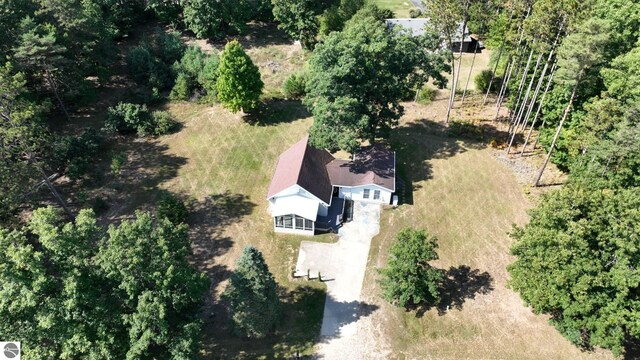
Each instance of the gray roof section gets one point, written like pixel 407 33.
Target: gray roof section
pixel 417 26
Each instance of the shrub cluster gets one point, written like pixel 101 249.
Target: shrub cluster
pixel 150 63
pixel 295 86
pixel 197 73
pixel 172 208
pixel 128 118
pixel 75 154
pixel 483 79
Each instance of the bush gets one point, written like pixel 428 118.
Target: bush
pixel 163 123
pixel 426 95
pixel 182 89
pixel 139 63
pixel 295 86
pixel 117 162
pixel 173 209
pixel 150 63
pixel 127 118
pixel 197 74
pixel 415 12
pixel 209 75
pixel 76 154
pixel 482 81
pixel 100 205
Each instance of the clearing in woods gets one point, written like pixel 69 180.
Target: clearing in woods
pixel 459 192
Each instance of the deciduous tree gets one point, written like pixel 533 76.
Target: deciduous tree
pixel 358 77
pixel 408 278
pixel 577 261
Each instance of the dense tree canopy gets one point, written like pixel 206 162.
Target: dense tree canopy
pixel 73 291
pixel 358 77
pixel 577 260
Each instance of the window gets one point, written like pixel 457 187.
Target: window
pixel 365 194
pixel 376 195
pixel 308 224
pixel 293 222
pixel 288 222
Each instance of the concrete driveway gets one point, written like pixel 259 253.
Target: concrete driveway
pixel 342 266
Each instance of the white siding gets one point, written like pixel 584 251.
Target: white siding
pixel 323 210
pixel 294 231
pixel 357 194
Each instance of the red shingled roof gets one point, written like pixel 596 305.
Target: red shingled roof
pixel 305 166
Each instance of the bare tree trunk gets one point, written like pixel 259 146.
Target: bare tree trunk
pixel 49 184
pixel 505 84
pixel 544 72
pixel 54 87
pixel 520 88
pixel 470 71
pixel 520 112
pixel 503 88
pixel 493 73
pixel 537 116
pixel 453 71
pixel 557 134
pixel 533 102
pixel 464 28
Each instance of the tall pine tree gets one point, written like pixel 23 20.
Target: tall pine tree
pixel 252 296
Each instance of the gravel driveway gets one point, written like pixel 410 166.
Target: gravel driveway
pixel 342 266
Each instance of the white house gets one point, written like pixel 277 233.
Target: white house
pixel 312 191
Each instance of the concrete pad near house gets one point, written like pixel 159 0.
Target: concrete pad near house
pixel 342 265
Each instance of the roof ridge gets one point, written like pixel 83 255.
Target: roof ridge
pixel 304 155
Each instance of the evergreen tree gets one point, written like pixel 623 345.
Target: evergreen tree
pixel 408 278
pixel 238 85
pixel 252 296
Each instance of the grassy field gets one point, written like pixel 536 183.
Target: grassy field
pixel 462 195
pixel 399 7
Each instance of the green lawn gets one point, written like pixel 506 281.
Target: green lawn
pixel 399 7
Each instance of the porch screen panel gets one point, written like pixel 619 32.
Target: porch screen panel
pixel 299 223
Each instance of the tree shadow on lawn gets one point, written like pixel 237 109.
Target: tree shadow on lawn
pixel 148 164
pixel 276 111
pixel 297 332
pixel 420 141
pixel 460 284
pixel 256 35
pixel 209 217
pixel 344 313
